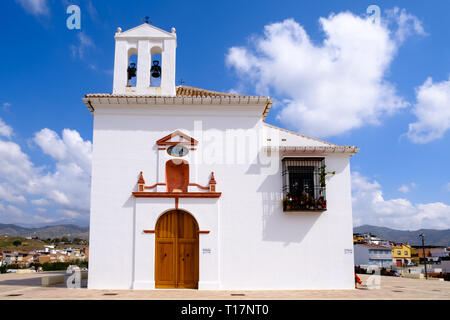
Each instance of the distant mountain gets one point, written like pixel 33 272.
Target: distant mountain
pixel 67 230
pixel 432 237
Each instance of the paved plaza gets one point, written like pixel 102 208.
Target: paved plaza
pixel 28 286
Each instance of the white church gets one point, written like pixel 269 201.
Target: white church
pixel 191 188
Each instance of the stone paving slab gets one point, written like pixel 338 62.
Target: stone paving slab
pixel 28 286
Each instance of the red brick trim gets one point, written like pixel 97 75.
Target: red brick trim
pixel 164 141
pixel 155 185
pixel 177 194
pixel 198 186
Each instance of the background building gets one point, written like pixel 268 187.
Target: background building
pixel 372 254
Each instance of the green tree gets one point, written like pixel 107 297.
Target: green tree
pixel 17 243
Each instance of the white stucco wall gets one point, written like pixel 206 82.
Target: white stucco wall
pixel 254 244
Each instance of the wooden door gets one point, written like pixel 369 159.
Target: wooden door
pixel 176 254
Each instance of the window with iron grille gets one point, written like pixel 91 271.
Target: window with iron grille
pixel 304 184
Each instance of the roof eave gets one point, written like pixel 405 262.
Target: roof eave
pixel 175 100
pixel 350 150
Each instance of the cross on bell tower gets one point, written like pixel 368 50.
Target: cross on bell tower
pixel 147 55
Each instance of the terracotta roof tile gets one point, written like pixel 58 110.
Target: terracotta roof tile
pixel 188 91
pixel 373 246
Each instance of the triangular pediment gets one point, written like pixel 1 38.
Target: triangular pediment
pixel 177 137
pixel 145 31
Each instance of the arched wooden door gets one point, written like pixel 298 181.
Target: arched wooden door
pixel 176 254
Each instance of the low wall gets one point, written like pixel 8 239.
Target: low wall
pixel 58 279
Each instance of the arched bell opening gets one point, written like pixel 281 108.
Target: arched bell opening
pixel 132 67
pixel 156 67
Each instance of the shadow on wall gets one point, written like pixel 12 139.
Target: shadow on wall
pixel 280 226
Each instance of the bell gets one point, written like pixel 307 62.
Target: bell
pixel 131 70
pixel 156 69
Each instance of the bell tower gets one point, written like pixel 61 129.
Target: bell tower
pixel 144 62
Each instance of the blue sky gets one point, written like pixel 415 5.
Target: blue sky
pixel 48 68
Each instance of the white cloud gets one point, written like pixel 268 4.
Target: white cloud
pixel 5 130
pixel 370 207
pixel 92 11
pixel 70 213
pixel 35 7
pixel 15 167
pixel 40 202
pixel 12 213
pixel 69 150
pixel 408 24
pixel 406 188
pixel 10 195
pixel 59 197
pixel 51 144
pixel 64 187
pixel 12 210
pixel 84 42
pixel 6 105
pixel 432 111
pixel 328 88
pixel 447 186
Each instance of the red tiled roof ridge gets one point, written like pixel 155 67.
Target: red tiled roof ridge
pixel 196 92
pixel 373 246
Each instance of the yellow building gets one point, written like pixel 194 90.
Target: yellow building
pixel 358 238
pixel 401 254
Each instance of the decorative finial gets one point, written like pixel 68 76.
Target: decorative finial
pixel 173 30
pixel 212 183
pixel 147 19
pixel 141 179
pixel 212 180
pixel 119 30
pixel 141 183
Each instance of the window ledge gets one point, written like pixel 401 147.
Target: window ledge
pixel 305 211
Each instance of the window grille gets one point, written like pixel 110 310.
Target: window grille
pixel 304 184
